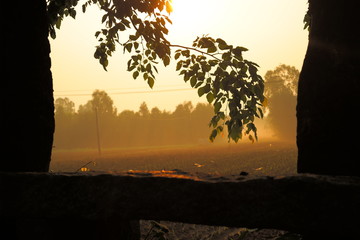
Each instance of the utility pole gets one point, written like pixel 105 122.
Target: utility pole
pixel 97 131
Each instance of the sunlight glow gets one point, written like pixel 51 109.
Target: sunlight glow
pixel 191 18
pixel 272 30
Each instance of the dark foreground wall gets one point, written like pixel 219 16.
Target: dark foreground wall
pixel 306 204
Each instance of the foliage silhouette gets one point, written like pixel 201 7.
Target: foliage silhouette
pixel 214 67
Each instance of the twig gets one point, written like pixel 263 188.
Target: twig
pixel 195 49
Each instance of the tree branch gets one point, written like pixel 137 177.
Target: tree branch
pixel 195 49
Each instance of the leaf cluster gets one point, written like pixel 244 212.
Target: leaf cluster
pixel 228 81
pixel 57 10
pixel 147 43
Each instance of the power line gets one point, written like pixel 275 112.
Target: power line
pixel 130 92
pixel 116 89
pixel 126 92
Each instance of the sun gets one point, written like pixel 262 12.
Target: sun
pixel 186 12
pixel 190 17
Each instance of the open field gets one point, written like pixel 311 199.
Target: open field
pixel 262 158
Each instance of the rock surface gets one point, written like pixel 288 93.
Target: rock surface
pixel 306 204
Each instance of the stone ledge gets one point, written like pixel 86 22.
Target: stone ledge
pixel 305 204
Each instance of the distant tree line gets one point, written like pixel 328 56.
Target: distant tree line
pixel 149 127
pixel 145 127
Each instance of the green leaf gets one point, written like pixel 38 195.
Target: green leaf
pixel 52 33
pixel 133 37
pixel 105 63
pixel 251 127
pixel 84 8
pixel 72 13
pixel 222 44
pixel 151 82
pixel 220 41
pixel 132 67
pixel 166 60
pixel 179 65
pixel 201 91
pixel 135 74
pixel 193 81
pixel 145 76
pixel 213 135
pixel 217 107
pixel 223 47
pixel 148 67
pixel 121 27
pixel 207 88
pixel 261 113
pixel 210 97
pixel 177 55
pixel 185 53
pixel 235 133
pixel 212 49
pixel 251 138
pixel 104 18
pixel 226 56
pixel 58 23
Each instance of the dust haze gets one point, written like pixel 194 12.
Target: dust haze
pixel 98 137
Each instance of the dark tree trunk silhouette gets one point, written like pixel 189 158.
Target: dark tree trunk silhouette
pixel 27 108
pixel 329 91
pixel 27 121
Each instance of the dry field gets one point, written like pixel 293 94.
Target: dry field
pixel 261 158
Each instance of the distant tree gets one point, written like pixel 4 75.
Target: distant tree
pixel 144 110
pixel 103 103
pixel 283 78
pixel 127 114
pixel 65 118
pixel 64 106
pixel 202 112
pixel 183 110
pixel 155 112
pixel 281 91
pixel 200 119
pixel 86 108
pixel 100 101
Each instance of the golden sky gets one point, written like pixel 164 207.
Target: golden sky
pixel 272 30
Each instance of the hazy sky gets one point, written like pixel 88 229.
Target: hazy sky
pixel 272 30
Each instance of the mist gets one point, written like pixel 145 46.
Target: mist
pixel 281 91
pixel 97 124
pixel 100 125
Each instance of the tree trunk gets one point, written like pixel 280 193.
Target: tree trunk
pixel 27 121
pixel 329 91
pixel 27 113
